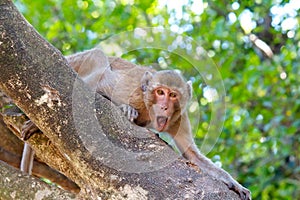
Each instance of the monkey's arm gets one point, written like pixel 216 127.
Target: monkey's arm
pixel 185 143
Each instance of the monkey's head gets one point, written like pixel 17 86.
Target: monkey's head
pixel 166 95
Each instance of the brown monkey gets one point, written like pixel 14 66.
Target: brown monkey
pixel 150 98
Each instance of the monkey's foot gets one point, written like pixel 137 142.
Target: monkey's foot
pixel 129 112
pixel 28 129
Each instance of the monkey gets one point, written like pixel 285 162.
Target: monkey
pixel 150 98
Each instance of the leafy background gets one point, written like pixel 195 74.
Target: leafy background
pixel 260 141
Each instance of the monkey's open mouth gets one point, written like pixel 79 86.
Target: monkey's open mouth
pixel 161 123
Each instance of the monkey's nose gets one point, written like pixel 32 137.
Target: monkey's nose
pixel 164 107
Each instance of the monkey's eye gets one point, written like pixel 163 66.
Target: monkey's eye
pixel 173 95
pixel 160 92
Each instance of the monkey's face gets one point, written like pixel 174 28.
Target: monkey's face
pixel 165 95
pixel 165 104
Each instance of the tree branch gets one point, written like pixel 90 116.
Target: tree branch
pixel 15 185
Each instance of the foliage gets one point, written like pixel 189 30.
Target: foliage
pixel 260 142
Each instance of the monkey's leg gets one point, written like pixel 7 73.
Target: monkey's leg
pixel 90 66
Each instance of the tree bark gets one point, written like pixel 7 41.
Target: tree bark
pixel 15 185
pixel 85 136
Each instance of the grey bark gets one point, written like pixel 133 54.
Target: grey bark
pixel 16 185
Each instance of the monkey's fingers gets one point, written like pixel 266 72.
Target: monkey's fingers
pixel 129 112
pixel 244 193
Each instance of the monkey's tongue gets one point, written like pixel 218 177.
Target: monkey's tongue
pixel 161 123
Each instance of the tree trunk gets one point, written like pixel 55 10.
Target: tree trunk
pixel 85 136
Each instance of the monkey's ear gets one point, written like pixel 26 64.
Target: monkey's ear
pixel 189 88
pixel 145 80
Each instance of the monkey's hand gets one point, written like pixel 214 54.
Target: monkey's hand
pixel 232 184
pixel 129 112
pixel 243 192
